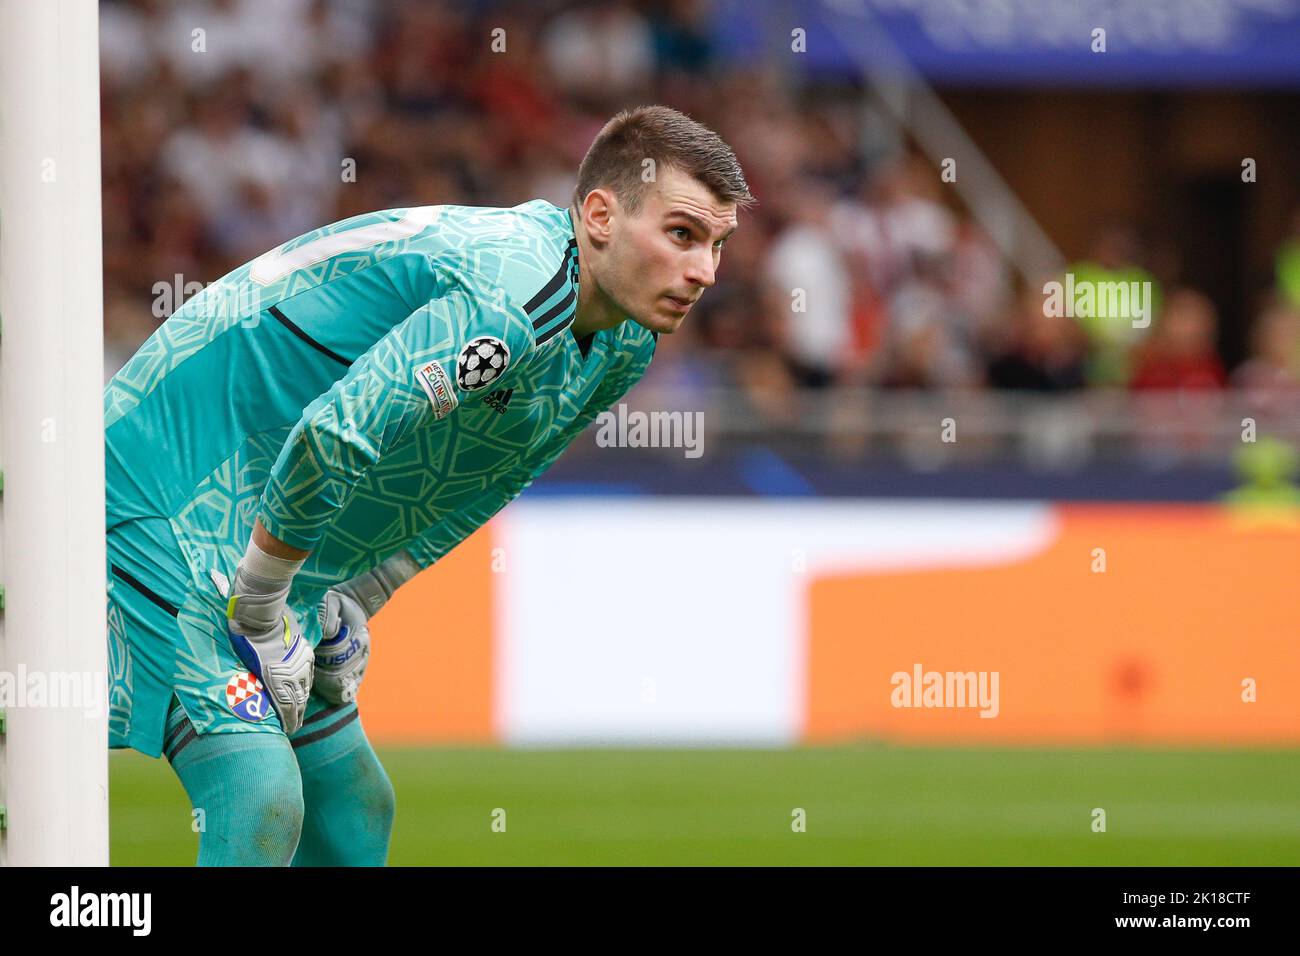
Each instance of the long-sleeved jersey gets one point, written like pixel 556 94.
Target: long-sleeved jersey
pixel 387 382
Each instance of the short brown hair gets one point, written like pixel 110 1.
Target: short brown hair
pixel 615 159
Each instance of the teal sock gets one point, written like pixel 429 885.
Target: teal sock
pixel 245 789
pixel 347 796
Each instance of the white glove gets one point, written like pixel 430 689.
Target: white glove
pixel 267 636
pixel 344 649
pixel 345 612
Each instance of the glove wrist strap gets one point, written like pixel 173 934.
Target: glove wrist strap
pixel 373 589
pixel 396 571
pixel 274 570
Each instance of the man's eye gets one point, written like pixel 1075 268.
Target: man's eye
pixel 686 233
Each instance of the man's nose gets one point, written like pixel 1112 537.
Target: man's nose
pixel 700 271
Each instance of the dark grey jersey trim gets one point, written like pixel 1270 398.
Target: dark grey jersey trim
pixel 323 349
pixel 157 599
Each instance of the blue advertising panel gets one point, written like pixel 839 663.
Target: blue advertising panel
pixel 1147 43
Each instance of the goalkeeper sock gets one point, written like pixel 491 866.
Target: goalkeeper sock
pixel 347 796
pixel 245 789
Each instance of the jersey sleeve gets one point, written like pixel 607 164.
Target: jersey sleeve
pixel 443 537
pixel 406 381
pixel 427 548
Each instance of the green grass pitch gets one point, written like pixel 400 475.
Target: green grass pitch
pixel 870 805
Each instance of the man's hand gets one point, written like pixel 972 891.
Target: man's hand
pixel 344 650
pixel 267 636
pixel 345 613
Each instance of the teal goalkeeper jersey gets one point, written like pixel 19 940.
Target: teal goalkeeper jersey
pixel 387 382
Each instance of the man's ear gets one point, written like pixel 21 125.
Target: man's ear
pixel 598 212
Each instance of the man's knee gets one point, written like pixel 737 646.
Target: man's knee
pixel 351 806
pixel 381 798
pixel 250 792
pixel 274 816
pixel 360 817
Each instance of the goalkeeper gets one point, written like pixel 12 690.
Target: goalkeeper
pixel 308 433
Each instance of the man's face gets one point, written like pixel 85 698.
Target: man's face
pixel 663 258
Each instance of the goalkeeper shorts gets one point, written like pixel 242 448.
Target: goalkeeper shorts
pixel 167 636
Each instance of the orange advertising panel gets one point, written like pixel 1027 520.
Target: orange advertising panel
pixel 1145 624
pixel 430 674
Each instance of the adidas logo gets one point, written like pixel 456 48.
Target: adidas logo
pixel 500 399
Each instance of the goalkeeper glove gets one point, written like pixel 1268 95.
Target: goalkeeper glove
pixel 268 638
pixel 345 612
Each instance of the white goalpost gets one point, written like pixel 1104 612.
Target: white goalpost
pixel 53 751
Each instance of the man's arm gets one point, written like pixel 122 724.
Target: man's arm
pixel 405 381
pixel 346 609
pixel 273 545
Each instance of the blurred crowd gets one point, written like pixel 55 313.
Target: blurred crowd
pixel 230 126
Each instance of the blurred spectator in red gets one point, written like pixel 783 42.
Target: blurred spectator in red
pixel 1178 380
pixel 1181 354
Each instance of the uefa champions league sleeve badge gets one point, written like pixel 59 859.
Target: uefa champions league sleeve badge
pixel 481 362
